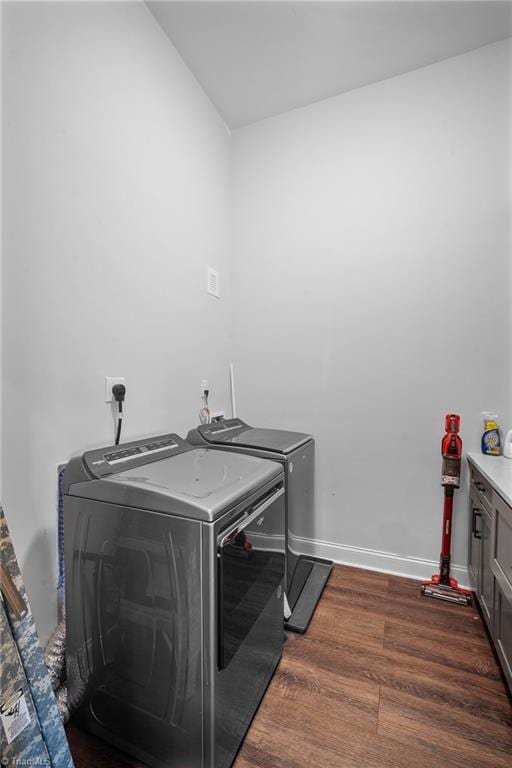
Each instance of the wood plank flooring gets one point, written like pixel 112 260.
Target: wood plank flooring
pixel 383 678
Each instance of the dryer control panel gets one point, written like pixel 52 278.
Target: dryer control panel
pixel 107 461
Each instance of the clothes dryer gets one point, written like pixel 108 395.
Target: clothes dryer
pixel 295 451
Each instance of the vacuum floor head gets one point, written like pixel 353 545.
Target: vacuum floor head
pixel 445 592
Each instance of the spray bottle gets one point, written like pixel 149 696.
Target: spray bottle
pixel 507 445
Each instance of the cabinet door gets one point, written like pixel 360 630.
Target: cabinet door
pixel 503 628
pixel 475 541
pixel 502 548
pixel 486 591
pixel 481 489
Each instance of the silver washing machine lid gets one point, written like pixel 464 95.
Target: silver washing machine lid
pixel 199 483
pixel 278 440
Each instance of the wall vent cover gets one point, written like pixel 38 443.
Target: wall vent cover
pixel 213 283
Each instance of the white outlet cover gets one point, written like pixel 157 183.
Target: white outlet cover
pixel 110 381
pixel 213 282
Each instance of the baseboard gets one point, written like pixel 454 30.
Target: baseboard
pixel 373 560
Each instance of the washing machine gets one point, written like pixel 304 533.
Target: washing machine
pixel 295 451
pixel 175 561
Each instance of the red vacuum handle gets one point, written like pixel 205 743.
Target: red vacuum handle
pixel 451 451
pixel 452 423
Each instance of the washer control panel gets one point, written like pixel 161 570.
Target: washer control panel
pixel 212 432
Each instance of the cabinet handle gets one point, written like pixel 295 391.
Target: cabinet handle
pixel 481 487
pixel 476 513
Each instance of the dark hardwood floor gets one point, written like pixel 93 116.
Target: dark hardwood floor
pixel 383 678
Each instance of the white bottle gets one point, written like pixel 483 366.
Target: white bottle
pixel 507 445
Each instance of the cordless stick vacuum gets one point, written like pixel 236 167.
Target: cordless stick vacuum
pixel 441 585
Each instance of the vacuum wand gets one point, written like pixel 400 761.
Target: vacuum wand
pixel 444 563
pixel 442 586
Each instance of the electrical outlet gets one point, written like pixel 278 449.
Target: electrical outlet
pixel 110 381
pixel 204 386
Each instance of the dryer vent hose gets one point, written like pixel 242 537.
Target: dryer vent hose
pixel 55 654
pixel 55 658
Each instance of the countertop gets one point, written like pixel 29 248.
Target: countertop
pixel 497 470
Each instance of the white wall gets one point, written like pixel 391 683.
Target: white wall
pixel 372 258
pixel 371 265
pixel 116 194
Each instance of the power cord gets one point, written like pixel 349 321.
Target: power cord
pixel 119 391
